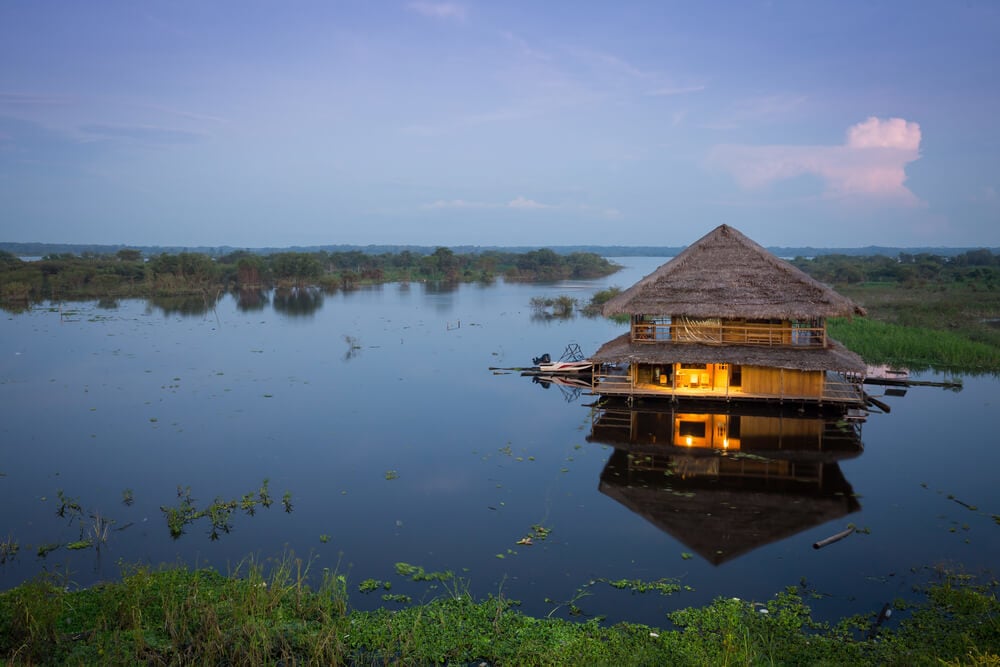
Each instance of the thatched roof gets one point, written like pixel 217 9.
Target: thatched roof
pixel 834 357
pixel 725 274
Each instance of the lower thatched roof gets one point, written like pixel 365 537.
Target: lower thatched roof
pixel 836 357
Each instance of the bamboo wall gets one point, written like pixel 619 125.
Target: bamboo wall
pixel 778 382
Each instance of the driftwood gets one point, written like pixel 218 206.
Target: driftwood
pixel 833 538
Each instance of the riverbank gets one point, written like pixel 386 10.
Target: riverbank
pixel 269 615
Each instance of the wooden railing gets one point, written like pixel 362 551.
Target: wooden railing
pixel 836 389
pixel 730 334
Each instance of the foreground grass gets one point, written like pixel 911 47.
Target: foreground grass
pixel 179 616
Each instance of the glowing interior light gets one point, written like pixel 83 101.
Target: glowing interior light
pixel 689 441
pixel 725 443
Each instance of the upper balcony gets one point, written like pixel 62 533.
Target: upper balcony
pixel 717 331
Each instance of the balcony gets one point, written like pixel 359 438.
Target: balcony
pixel 720 332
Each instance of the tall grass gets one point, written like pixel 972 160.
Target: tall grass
pixel 913 347
pixel 265 614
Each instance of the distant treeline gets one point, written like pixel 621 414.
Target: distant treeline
pixel 980 266
pixel 43 249
pixel 128 273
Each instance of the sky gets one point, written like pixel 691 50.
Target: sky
pixel 829 123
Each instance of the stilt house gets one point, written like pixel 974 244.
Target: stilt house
pixel 726 319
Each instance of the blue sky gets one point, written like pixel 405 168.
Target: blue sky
pixel 827 123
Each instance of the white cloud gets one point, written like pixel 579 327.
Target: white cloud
pixel 439 10
pixel 522 203
pixel 456 203
pixel 871 163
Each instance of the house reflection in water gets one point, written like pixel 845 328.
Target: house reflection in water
pixel 725 483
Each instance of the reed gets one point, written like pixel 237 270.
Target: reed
pixel 916 348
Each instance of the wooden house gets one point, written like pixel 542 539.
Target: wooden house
pixel 726 319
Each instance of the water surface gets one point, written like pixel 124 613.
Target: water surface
pixel 376 411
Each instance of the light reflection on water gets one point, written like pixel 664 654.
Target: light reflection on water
pixel 324 394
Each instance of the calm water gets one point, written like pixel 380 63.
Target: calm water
pixel 376 410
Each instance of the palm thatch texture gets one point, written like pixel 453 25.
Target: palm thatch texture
pixel 726 275
pixel 751 325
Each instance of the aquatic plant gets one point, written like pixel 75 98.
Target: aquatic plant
pixel 560 307
pixel 417 573
pixel 68 505
pixel 8 549
pixel 219 512
pixel 266 613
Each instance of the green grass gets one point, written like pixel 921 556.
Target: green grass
pixel 913 347
pixel 264 613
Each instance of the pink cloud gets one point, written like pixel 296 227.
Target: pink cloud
pixel 871 163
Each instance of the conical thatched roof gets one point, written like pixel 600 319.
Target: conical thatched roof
pixel 725 274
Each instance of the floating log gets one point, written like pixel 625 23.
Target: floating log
pixel 833 538
pixel 893 382
pixel 881 405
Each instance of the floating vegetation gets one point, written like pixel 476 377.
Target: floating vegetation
pixel 219 512
pixel 371 585
pixel 391 475
pixel 80 544
pixel 45 549
pixel 417 573
pixel 324 538
pixel 67 505
pixel 128 497
pixel 661 586
pixel 8 549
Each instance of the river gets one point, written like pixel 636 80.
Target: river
pixel 376 411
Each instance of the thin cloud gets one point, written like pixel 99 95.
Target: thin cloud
pixel 456 204
pixel 675 90
pixel 438 10
pixel 34 99
pixel 871 163
pixel 755 109
pixel 522 203
pixel 143 133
